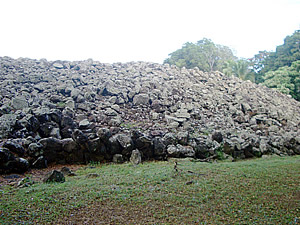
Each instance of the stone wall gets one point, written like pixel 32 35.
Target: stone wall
pixel 77 112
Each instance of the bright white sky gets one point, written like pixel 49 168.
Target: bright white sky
pixel 140 30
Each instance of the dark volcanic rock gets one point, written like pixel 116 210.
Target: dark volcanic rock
pixel 40 163
pixel 14 147
pixel 51 149
pixel 79 137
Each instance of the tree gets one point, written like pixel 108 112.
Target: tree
pixel 286 79
pixel 204 54
pixel 256 65
pixel 239 68
pixel 285 54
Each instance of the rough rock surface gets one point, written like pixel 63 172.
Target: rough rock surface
pixel 77 112
pixel 54 176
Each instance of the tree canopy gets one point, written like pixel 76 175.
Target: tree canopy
pixel 238 68
pixel 286 79
pixel 280 69
pixel 204 54
pixel 285 54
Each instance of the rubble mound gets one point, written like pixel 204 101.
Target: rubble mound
pixel 83 111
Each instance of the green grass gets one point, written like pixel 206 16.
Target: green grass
pixel 261 191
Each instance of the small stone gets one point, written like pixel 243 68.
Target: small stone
pixel 118 158
pixel 135 157
pixel 84 124
pixel 92 175
pixel 67 171
pixel 58 65
pixel 141 99
pixel 54 176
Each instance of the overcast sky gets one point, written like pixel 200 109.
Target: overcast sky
pixel 140 30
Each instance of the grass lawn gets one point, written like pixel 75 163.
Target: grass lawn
pixel 259 191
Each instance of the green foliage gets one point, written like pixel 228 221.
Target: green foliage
pixel 280 69
pixel 285 79
pixel 61 105
pixel 220 153
pixel 285 54
pixel 238 68
pixel 257 64
pixel 204 54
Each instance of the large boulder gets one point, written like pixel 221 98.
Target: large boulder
pixel 51 149
pixel 11 164
pixel 14 147
pixel 159 148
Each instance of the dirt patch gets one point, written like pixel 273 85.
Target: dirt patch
pixel 35 174
pixel 109 212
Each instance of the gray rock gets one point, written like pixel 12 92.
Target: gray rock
pixel 35 149
pixel 51 148
pixel 171 119
pixel 7 123
pixel 180 151
pixel 67 171
pixel 182 113
pixel 69 145
pixel 30 122
pixel 55 132
pixel 84 124
pixel 54 177
pixel 125 141
pixel 159 147
pixel 58 65
pixel 169 139
pixel 5 157
pixel 19 103
pixel 135 157
pixel 110 112
pixel 183 137
pixel 104 134
pixel 118 158
pixel 70 104
pixel 141 99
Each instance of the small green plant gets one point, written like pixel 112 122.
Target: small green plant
pixel 94 163
pixel 61 105
pixel 130 125
pixel 220 153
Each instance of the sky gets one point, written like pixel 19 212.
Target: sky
pixel 140 30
